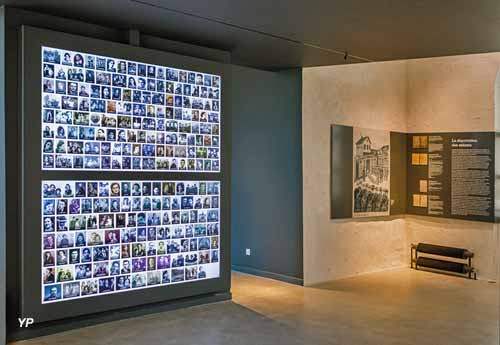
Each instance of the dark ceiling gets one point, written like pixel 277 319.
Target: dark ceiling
pixel 289 33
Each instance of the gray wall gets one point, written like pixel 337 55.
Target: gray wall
pixel 267 173
pixel 366 96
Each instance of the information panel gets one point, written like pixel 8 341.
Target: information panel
pixel 104 237
pixel 104 113
pixel 452 175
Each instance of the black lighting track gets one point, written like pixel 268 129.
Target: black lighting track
pixel 239 27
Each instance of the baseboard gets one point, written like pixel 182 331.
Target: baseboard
pixel 267 274
pixel 94 319
pixel 321 282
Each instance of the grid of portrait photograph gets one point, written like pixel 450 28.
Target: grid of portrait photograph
pixel 105 113
pixel 102 237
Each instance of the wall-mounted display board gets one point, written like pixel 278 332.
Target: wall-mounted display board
pixel 435 174
pixel 125 181
pixel 102 237
pixel 368 175
pixel 452 175
pixel 108 113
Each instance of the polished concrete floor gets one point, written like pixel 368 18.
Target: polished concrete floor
pixel 392 307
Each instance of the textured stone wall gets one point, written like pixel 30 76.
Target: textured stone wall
pixel 369 95
pixel 439 94
pixel 479 237
pixel 452 94
pixel 455 94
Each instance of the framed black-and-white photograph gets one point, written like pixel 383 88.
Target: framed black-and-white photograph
pixel 371 172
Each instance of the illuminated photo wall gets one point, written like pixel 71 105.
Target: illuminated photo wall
pixel 103 237
pixel 125 198
pixel 104 113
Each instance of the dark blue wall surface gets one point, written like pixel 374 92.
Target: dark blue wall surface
pixel 266 174
pixel 2 179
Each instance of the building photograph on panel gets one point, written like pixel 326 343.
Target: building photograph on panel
pixel 249 172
